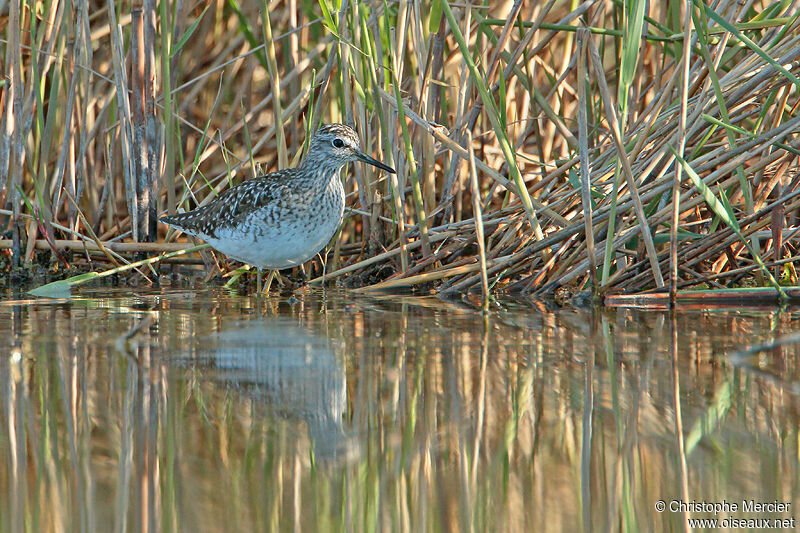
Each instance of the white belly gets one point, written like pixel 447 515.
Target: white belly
pixel 297 238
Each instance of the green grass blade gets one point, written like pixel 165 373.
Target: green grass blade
pixel 61 288
pixel 494 118
pixel 701 23
pixel 751 135
pixel 244 27
pixel 327 17
pixel 188 33
pixel 723 210
pixel 749 43
pixel 631 43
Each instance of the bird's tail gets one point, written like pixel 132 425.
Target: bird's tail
pixel 175 221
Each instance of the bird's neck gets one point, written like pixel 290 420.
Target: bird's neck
pixel 320 174
pixel 322 169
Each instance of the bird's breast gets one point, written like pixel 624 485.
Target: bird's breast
pixel 283 235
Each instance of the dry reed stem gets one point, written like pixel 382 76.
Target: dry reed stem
pixel 681 134
pixel 103 247
pixel 611 114
pixel 583 142
pixel 476 208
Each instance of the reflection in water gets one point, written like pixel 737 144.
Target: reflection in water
pixel 201 412
pixel 289 371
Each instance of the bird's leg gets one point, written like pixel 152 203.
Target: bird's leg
pixel 270 277
pixel 324 260
pixel 258 284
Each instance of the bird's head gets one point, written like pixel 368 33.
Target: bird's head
pixel 336 145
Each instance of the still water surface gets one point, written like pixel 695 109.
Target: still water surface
pixel 203 411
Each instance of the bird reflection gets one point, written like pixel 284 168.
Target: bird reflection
pixel 294 374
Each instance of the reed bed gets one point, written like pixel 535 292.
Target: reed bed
pixel 612 146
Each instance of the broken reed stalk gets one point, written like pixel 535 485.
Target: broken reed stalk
pixel 146 143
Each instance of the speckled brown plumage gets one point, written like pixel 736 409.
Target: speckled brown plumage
pixel 286 217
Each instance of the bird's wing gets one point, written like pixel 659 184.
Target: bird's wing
pixel 232 205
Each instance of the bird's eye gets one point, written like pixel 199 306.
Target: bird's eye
pixel 338 143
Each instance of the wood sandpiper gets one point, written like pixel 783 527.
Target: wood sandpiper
pixel 284 218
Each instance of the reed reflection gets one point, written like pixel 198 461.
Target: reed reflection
pixel 204 413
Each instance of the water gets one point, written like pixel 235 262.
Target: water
pixel 199 411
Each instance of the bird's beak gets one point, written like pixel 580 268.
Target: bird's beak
pixel 374 162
